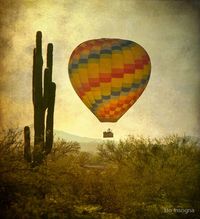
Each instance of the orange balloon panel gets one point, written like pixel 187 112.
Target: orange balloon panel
pixel 109 75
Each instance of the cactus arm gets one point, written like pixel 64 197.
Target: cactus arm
pixel 50 58
pixel 27 147
pixel 50 118
pixel 47 84
pixel 51 100
pixel 48 74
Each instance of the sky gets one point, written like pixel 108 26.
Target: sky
pixel 168 30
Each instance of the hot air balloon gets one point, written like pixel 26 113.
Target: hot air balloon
pixel 109 75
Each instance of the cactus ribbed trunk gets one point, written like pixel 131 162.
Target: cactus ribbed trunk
pixel 43 97
pixel 38 100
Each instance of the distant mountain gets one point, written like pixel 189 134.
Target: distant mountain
pixel 87 144
pixel 71 137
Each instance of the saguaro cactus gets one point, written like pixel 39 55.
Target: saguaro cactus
pixel 43 102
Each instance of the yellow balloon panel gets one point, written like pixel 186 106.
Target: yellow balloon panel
pixel 109 75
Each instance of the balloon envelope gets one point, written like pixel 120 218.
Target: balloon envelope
pixel 109 75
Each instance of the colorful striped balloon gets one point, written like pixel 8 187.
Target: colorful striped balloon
pixel 109 75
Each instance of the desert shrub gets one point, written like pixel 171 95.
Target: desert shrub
pixel 151 175
pixel 132 178
pixel 46 191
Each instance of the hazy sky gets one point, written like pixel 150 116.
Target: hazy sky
pixel 168 30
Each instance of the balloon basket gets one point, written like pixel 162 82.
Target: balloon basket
pixel 108 134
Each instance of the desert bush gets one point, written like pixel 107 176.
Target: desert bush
pixel 151 175
pixel 45 191
pixel 133 178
